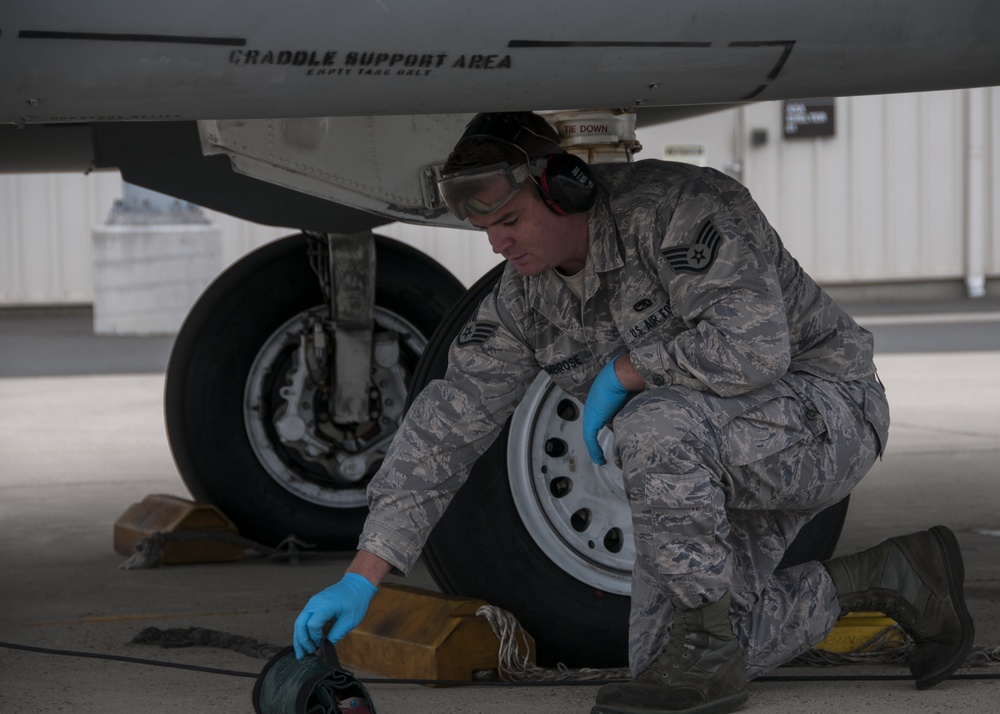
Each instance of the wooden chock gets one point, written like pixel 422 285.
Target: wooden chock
pixel 409 633
pixel 162 513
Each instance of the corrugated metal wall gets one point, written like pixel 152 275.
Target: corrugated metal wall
pixel 45 223
pixel 46 233
pixel 885 199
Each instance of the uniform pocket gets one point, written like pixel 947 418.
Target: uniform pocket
pixel 876 409
pixel 683 515
pixel 770 428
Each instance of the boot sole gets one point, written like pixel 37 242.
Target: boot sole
pixel 717 706
pixel 956 588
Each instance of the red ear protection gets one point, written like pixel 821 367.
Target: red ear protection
pixel 566 184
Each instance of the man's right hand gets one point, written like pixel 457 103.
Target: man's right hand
pixel 346 602
pixel 606 398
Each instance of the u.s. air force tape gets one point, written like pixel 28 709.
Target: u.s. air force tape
pixel 476 332
pixel 696 257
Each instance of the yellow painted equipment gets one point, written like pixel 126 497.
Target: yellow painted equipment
pixel 162 513
pixel 856 629
pixel 411 633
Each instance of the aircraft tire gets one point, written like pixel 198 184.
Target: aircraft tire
pixel 518 547
pixel 217 351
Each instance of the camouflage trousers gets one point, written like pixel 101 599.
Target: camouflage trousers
pixel 718 489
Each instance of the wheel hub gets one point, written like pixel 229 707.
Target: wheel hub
pixel 575 511
pixel 287 413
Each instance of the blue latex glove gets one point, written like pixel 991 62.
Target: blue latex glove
pixel 606 398
pixel 345 601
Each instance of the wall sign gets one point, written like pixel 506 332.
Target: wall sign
pixel 809 117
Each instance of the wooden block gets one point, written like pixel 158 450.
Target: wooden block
pixel 169 514
pixel 418 634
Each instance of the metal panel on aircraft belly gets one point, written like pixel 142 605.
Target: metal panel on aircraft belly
pixel 373 163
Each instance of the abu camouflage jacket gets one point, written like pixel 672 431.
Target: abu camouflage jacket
pixel 684 272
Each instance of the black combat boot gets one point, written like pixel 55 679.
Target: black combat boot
pixel 699 672
pixel 917 580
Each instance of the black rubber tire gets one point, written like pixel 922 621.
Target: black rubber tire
pixel 819 537
pixel 211 359
pixel 486 552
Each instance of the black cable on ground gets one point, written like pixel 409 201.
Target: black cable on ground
pixel 475 682
pixel 122 658
pixel 148 553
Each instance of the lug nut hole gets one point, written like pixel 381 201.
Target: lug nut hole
pixel 580 520
pixel 560 486
pixel 567 410
pixel 556 448
pixel 613 540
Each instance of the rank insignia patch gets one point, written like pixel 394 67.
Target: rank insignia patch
pixel 476 333
pixel 696 257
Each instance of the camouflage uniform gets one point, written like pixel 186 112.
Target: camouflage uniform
pixel 761 409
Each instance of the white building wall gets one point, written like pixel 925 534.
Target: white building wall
pixel 467 254
pixel 884 200
pixel 45 222
pixel 46 226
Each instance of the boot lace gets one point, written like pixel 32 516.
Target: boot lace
pixel 903 615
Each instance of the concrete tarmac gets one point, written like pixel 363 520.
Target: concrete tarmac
pixel 77 450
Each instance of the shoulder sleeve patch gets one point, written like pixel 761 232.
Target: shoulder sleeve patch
pixel 476 332
pixel 696 257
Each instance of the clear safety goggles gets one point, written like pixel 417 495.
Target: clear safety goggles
pixel 482 191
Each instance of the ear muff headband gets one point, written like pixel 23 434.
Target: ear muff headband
pixel 496 126
pixel 565 181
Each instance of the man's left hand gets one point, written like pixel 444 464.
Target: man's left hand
pixel 606 398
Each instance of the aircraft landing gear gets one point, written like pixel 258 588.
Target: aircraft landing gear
pixel 251 393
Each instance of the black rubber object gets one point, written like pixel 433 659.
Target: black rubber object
pixel 314 685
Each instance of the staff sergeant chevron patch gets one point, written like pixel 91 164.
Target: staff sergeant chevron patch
pixel 476 333
pixel 696 257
